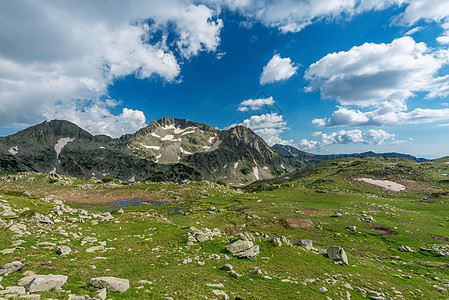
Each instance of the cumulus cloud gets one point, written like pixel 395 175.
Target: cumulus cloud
pixel 255 104
pixel 277 69
pixel 372 73
pixel 62 52
pixel 96 117
pixel 267 126
pixel 354 136
pixel 387 115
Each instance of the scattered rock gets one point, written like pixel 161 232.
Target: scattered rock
pixel 351 228
pixel 337 253
pixel 307 244
pixel 44 283
pixel 112 284
pixel 64 251
pixel 405 249
pixel 243 249
pixel 245 236
pixel 227 267
pixel 369 219
pixel 11 267
pixel 95 248
pixel 18 290
pixel 101 294
pixel 221 294
pixel 323 289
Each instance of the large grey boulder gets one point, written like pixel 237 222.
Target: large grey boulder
pixel 307 244
pixel 111 284
pixel 243 249
pixel 44 283
pixel 11 267
pixel 337 253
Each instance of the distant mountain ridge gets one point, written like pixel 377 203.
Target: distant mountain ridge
pixel 168 149
pixel 301 159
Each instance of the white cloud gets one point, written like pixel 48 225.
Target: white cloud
pixel 430 10
pixel 414 30
pixel 59 51
pixel 96 117
pixel 389 114
pixel 255 104
pixel 277 69
pixel 267 126
pixel 372 73
pixel 354 136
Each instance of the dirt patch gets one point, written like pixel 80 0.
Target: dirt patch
pixel 384 230
pixel 439 237
pixel 300 223
pixel 48 266
pixel 312 211
pixel 373 209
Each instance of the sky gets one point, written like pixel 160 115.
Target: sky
pixel 328 76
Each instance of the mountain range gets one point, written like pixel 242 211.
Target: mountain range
pixel 168 149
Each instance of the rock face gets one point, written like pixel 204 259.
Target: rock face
pixel 11 267
pixel 337 253
pixel 44 283
pixel 243 249
pixel 111 284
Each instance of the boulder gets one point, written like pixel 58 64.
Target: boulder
pixel 111 284
pixel 277 241
pixel 245 236
pixel 307 244
pixel 221 294
pixel 337 253
pixel 11 267
pixel 64 251
pixel 19 290
pixel 405 249
pixel 227 267
pixel 101 294
pixel 243 249
pixel 44 283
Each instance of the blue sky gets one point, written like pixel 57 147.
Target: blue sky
pixel 331 76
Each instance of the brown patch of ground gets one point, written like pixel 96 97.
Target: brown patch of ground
pixel 439 237
pixel 384 230
pixel 300 223
pixel 312 211
pixel 47 266
pixel 373 209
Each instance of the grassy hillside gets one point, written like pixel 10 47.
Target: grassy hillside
pixel 150 242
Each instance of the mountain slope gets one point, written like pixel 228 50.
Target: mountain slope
pixel 167 149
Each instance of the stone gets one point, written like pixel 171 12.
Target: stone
pixel 323 289
pixel 227 267
pixel 337 253
pixel 351 228
pixel 234 274
pixel 95 248
pixel 20 290
pixel 369 219
pixel 25 280
pixel 246 236
pixel 101 294
pixel 11 267
pixel 30 297
pixel 405 249
pixel 18 228
pixel 221 294
pixel 45 283
pixel 64 251
pixel 284 240
pixel 307 244
pixel 337 214
pixel 9 214
pixel 217 285
pixel 243 249
pixel 277 241
pixel 112 284
pixel 144 282
pixel 201 237
pixel 88 239
pixel 8 251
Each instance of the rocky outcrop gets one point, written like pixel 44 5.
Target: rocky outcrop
pixel 244 249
